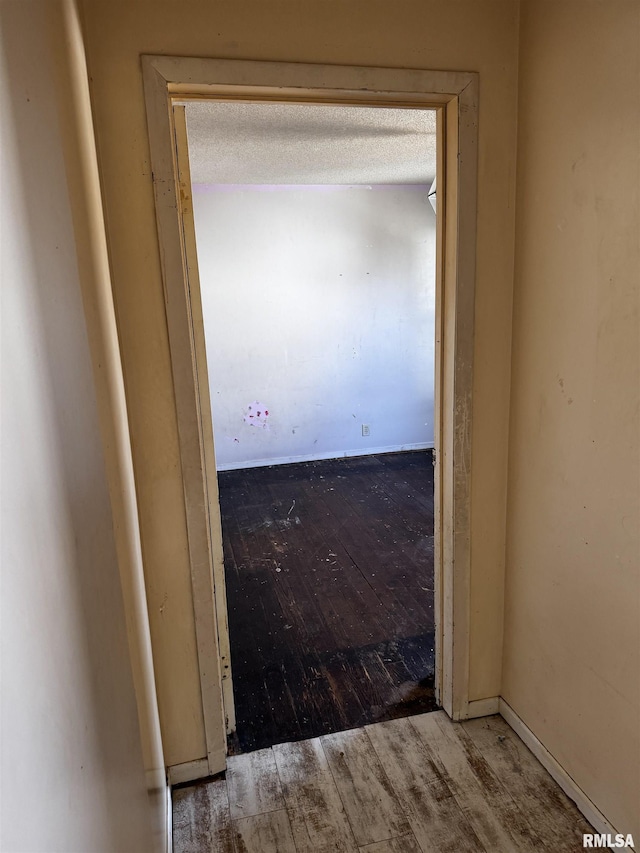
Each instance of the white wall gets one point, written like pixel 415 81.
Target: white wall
pixel 72 769
pixel 318 308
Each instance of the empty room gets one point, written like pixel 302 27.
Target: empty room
pixel 138 678
pixel 315 230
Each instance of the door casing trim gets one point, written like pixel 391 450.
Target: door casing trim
pixel 454 94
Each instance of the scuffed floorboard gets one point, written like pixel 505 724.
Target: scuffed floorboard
pixel 329 569
pixel 419 784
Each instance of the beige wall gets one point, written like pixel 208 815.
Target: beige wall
pixel 466 35
pixel 571 658
pixel 572 623
pixel 73 773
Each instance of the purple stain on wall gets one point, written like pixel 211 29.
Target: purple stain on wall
pixel 256 415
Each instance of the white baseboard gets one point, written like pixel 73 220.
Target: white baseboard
pixel 483 707
pixel 169 821
pixel 568 785
pixel 190 771
pixel 317 457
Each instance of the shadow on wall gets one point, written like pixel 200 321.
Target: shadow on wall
pixel 68 702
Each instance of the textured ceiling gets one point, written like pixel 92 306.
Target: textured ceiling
pixel 274 143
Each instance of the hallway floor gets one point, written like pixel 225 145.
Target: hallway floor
pixel 416 785
pixel 329 570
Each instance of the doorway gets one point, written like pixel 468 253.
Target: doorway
pixel 316 239
pixel 454 97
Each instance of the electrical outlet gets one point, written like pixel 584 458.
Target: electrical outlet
pixel 365 430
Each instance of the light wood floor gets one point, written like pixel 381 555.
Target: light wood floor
pixel 416 784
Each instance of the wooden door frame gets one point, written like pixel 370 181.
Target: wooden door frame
pixel 169 80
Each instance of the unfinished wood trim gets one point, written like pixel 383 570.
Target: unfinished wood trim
pixel 438 556
pixel 185 380
pixel 456 321
pixel 189 771
pixel 483 707
pixel 455 95
pixel 571 788
pixel 197 77
pixel 461 148
pixel 219 588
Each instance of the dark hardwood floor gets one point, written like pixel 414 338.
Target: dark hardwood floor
pixel 329 569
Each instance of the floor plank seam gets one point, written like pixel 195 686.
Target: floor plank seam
pixel 468 787
pixel 344 808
